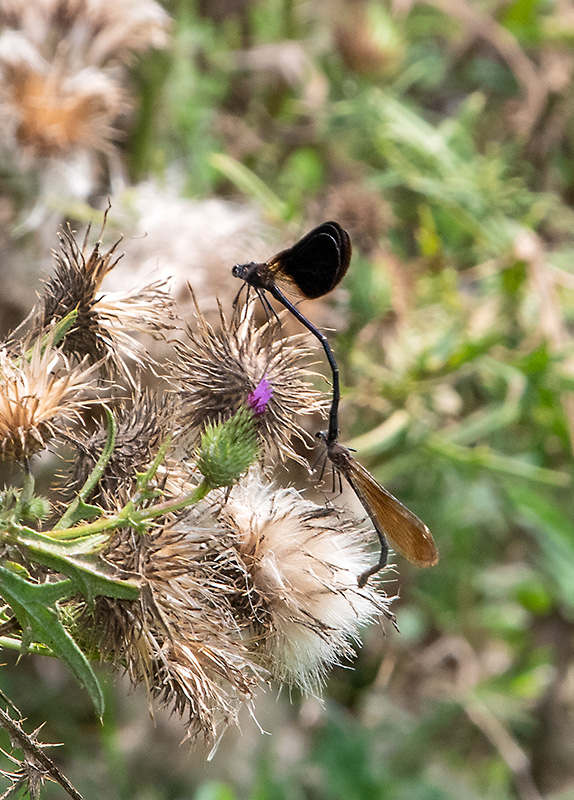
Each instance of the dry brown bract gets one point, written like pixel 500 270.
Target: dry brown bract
pixel 39 392
pixel 143 424
pixel 235 593
pixel 105 322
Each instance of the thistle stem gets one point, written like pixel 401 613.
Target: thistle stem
pixel 94 475
pixel 130 517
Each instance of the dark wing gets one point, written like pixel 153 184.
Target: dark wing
pixel 405 531
pixel 317 262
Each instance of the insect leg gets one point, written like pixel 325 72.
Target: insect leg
pixel 267 307
pixel 238 295
pixel 333 431
pixel 382 563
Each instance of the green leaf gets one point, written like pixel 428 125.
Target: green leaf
pixel 214 790
pixel 80 561
pixel 78 512
pixel 54 336
pixel 62 328
pixel 249 183
pixel 91 576
pixel 523 19
pixel 33 606
pixel 554 535
pixel 485 458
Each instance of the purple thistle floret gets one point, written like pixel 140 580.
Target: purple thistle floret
pixel 258 399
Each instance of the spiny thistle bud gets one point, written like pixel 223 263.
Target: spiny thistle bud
pixel 227 449
pixel 37 508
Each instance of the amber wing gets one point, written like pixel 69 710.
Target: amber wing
pixel 404 530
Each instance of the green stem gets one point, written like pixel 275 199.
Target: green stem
pixel 129 517
pixel 26 493
pixel 61 329
pixel 54 336
pixel 94 475
pixel 8 643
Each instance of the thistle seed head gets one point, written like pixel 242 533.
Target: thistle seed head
pixel 241 364
pixel 106 323
pixel 39 392
pixel 297 596
pixel 62 73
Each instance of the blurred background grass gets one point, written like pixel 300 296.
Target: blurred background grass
pixel 440 135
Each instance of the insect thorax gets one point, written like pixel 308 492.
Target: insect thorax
pixel 255 274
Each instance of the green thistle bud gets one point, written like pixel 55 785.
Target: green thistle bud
pixel 38 508
pixel 228 448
